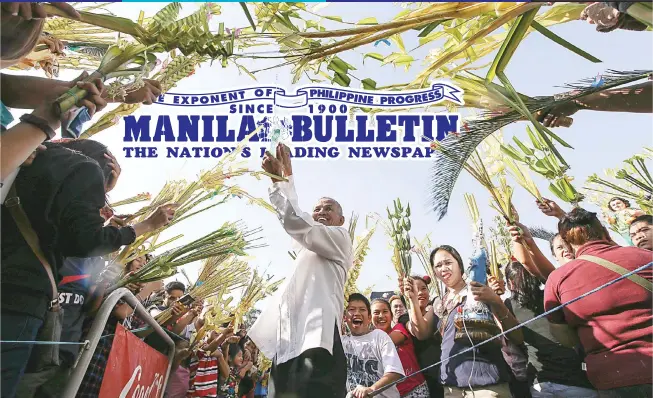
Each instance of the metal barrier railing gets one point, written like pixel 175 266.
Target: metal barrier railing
pixel 94 335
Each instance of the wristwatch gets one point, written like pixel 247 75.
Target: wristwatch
pixel 40 123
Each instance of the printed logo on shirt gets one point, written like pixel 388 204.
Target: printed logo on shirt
pixel 361 372
pixel 71 298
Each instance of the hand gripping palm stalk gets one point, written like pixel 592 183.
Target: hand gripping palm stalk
pixel 223 273
pixel 190 35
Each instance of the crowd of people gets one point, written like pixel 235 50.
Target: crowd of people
pixel 58 230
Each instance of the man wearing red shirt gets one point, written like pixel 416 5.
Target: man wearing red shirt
pixel 614 324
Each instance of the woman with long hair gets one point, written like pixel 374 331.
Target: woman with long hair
pixel 558 370
pixel 482 370
pixel 428 349
pixel 414 387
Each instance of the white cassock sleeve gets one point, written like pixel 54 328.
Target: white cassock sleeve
pixel 332 243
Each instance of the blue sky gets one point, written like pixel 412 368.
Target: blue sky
pixel 601 140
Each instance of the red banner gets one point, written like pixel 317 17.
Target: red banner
pixel 134 368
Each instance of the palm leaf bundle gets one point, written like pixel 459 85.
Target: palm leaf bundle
pixel 632 181
pixel 219 274
pixel 259 287
pixel 220 312
pixel 193 198
pixel 421 249
pixel 399 230
pixel 544 159
pixel 361 246
pixel 164 32
pixel 141 197
pixel 448 163
pixel 231 238
pixel 502 240
pixel 168 75
pixel 263 364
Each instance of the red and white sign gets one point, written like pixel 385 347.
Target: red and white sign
pixel 134 369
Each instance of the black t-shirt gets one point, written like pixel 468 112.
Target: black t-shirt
pixel 77 277
pixel 62 193
pixel 553 362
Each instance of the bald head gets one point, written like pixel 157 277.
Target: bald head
pixel 328 211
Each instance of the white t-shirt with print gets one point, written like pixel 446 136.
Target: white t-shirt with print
pixel 369 357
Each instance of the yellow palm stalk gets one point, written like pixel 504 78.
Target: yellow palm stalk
pixel 222 275
pixel 360 251
pixel 141 197
pixel 258 289
pixel 421 248
pixel 523 178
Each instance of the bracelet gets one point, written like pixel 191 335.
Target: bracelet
pixel 501 319
pixel 40 123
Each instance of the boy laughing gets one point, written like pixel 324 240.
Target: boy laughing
pixel 372 359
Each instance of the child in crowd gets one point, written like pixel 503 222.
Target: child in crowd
pixel 229 383
pixel 414 387
pixel 372 360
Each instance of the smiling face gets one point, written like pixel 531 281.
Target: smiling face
pixel 398 309
pixel 446 268
pixel 562 251
pixel 642 235
pixel 238 359
pixel 381 316
pixel 358 318
pixel 422 293
pixel 328 212
pixel 617 204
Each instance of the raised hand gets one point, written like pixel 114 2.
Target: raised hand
pixel 550 208
pixel 55 45
pixel 36 11
pixel 283 154
pixel 273 166
pixel 162 216
pixel 145 95
pixel 483 293
pixel 519 232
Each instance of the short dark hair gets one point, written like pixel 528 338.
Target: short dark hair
pixel 176 285
pixel 647 218
pixel 397 297
pixel 450 250
pixel 359 297
pixel 553 239
pixel 580 226
pixel 234 349
pixel 383 301
pixel 93 150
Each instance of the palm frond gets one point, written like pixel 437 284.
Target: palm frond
pixel 456 150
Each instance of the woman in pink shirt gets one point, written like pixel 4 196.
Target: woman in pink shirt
pixel 413 387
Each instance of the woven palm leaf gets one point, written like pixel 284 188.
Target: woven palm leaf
pixel 456 150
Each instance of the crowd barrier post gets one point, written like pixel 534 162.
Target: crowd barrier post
pixel 95 334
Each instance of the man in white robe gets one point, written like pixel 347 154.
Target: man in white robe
pixel 300 328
